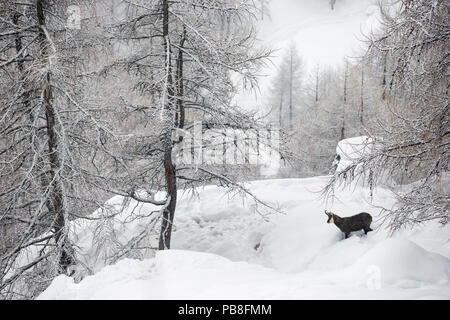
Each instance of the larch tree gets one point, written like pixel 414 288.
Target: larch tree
pixel 287 88
pixel 56 155
pixel 185 57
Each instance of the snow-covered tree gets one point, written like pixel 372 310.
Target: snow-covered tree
pixel 287 88
pixel 185 57
pixel 331 110
pixel 57 151
pixel 264 8
pixel 412 137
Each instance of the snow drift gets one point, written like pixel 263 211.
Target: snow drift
pixel 224 249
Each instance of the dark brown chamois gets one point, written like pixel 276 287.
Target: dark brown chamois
pixel 360 221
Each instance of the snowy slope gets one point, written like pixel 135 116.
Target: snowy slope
pixel 223 248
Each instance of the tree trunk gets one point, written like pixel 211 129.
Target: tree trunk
pixel 361 107
pixel 317 84
pixel 181 111
pixel 169 167
pixel 290 91
pixel 280 115
pixel 345 102
pixel 383 81
pixel 55 204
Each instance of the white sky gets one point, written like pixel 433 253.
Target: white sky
pixel 321 35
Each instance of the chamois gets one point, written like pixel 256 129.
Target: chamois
pixel 360 221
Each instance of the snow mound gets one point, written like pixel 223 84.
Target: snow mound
pixel 224 249
pixel 402 261
pixel 180 274
pixel 173 274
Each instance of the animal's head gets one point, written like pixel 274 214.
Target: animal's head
pixel 330 216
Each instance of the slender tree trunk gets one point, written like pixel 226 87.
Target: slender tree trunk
pixel 262 9
pixel 345 102
pixel 18 42
pixel 181 111
pixel 20 66
pixel 169 167
pixel 361 107
pixel 56 200
pixel 280 114
pixel 152 92
pixel 383 81
pixel 317 84
pixel 290 91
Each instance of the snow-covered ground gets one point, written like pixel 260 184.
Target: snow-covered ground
pixel 223 249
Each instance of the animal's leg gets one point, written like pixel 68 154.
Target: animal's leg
pixel 347 235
